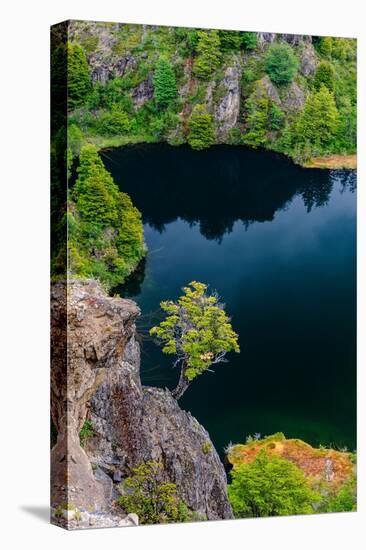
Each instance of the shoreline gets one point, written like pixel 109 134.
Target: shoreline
pixel 331 162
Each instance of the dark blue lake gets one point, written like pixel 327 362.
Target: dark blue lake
pixel 278 244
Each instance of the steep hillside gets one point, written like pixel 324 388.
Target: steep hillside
pixel 135 83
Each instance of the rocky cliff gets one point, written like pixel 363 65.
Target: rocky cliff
pixel 96 375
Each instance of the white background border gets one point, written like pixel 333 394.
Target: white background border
pixel 24 287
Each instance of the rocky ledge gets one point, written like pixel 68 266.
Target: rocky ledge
pixel 96 376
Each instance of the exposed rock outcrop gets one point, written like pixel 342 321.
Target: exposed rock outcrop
pixel 131 424
pixel 227 110
pixel 308 60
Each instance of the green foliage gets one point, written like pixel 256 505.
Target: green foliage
pixel 258 113
pixel 104 228
pixel 319 121
pixel 230 40
pixel 151 497
pixel 249 40
pixel 270 487
pixel 325 76
pixel 281 64
pixel 78 76
pixel 165 86
pixel 201 128
pixel 86 432
pixel 344 500
pixel 277 117
pixel 206 447
pixel 197 330
pixel 113 123
pixel 209 55
pixel 325 45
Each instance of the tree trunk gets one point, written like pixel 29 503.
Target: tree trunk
pixel 182 385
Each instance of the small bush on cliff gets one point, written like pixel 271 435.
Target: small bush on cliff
pixel 201 128
pixel 165 86
pixel 151 497
pixel 86 432
pixel 270 487
pixel 209 55
pixel 281 64
pixel 198 331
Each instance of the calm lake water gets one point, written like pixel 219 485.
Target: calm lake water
pixel 278 244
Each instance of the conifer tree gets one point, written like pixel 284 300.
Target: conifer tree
pixel 325 75
pixel 201 128
pixel 230 40
pixel 209 55
pixel 165 86
pixel 78 76
pixel 319 120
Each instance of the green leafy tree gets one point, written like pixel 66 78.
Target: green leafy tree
pixel 198 331
pixel 249 40
pixel 319 121
pixel 201 128
pixel 151 497
pixel 78 76
pixel 165 86
pixel 230 40
pixel 325 76
pixel 209 55
pixel 281 64
pixel 270 487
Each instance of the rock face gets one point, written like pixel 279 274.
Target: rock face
pixel 308 60
pixel 227 110
pixel 131 424
pixel 89 332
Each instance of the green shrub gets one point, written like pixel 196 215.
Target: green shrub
pixel 151 497
pixel 201 128
pixel 281 64
pixel 113 123
pixel 343 500
pixel 277 117
pixel 249 40
pixel 325 45
pixel 270 487
pixel 86 432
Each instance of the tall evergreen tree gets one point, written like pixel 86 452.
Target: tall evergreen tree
pixel 319 120
pixel 201 128
pixel 165 86
pixel 230 40
pixel 209 55
pixel 325 75
pixel 78 76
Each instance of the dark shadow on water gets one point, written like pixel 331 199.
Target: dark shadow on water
pixel 40 512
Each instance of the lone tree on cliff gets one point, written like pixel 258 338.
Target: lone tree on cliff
pixel 198 331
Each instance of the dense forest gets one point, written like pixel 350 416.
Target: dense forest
pixel 293 94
